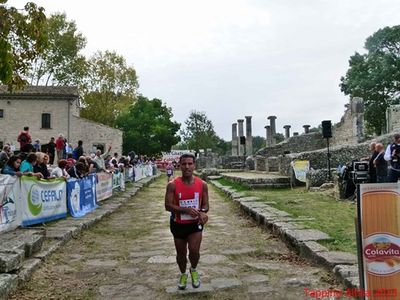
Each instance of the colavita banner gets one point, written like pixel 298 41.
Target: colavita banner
pixel 300 168
pixel 10 215
pixel 81 195
pixel 104 185
pixel 379 240
pixel 42 200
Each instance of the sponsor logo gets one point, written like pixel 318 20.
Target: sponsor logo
pixel 34 200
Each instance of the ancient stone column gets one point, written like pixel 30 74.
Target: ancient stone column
pixel 273 129
pixel 268 136
pixel 241 134
pixel 357 114
pixel 295 133
pixel 234 140
pixel 287 131
pixel 306 128
pixel 249 136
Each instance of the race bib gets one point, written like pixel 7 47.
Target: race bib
pixel 189 203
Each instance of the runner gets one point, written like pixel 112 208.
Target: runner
pixel 170 171
pixel 187 200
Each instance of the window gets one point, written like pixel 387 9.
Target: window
pixel 46 121
pixel 1 113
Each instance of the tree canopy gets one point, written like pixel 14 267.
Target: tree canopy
pixel 109 88
pixel 60 63
pixel 199 132
pixel 375 76
pixel 147 127
pixel 23 38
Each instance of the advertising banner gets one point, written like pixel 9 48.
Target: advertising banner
pixel 129 172
pixel 139 173
pixel 42 200
pixel 104 186
pixel 379 239
pixel 10 215
pixel 116 180
pixel 81 195
pixel 300 168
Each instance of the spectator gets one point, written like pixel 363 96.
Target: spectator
pixel 93 167
pixel 77 171
pixel 12 166
pixel 60 144
pixel 24 139
pixel 41 165
pixel 78 151
pixel 36 145
pixel 380 164
pixel 371 166
pixel 67 149
pixel 51 150
pixel 70 160
pixel 392 155
pixel 5 155
pixel 28 164
pixel 60 171
pixel 99 158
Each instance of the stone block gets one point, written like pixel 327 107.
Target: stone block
pixel 204 288
pixel 48 249
pixel 303 235
pixel 310 249
pixel 223 283
pixel 28 267
pixel 8 283
pixel 64 234
pixel 345 271
pixel 333 258
pixel 11 261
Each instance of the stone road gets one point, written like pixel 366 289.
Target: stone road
pixel 130 255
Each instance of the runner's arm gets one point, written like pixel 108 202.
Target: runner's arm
pixel 204 202
pixel 170 205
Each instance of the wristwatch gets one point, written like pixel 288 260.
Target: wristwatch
pixel 204 210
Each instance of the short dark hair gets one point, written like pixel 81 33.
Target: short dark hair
pixel 12 160
pixel 396 136
pixel 80 143
pixel 187 155
pixel 26 128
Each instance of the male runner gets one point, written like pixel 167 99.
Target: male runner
pixel 187 200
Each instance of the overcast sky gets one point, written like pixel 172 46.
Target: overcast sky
pixel 233 58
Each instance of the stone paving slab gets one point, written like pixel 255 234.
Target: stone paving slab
pixel 28 267
pixel 10 261
pixel 28 240
pixel 333 258
pixel 303 235
pixel 204 288
pixel 8 283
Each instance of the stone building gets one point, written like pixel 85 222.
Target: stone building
pixel 49 111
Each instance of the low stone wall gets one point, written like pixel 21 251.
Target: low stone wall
pixel 233 162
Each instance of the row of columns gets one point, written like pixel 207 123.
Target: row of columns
pixel 243 145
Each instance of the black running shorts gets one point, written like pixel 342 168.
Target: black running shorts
pixel 182 231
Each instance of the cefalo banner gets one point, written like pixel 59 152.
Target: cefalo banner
pixel 81 195
pixel 10 215
pixel 42 200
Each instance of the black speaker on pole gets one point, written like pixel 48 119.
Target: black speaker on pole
pixel 242 140
pixel 326 129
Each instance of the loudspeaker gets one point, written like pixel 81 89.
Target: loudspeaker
pixel 242 140
pixel 326 129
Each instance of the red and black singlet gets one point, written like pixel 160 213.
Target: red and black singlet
pixel 187 196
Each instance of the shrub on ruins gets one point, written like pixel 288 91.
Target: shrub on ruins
pixel 22 39
pixel 374 76
pixel 148 127
pixel 61 62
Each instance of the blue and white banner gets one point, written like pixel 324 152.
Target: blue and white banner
pixel 42 200
pixel 10 214
pixel 81 195
pixel 116 179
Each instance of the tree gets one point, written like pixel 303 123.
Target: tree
pixel 375 76
pixel 109 88
pixel 199 132
pixel 60 63
pixel 259 142
pixel 147 127
pixel 22 39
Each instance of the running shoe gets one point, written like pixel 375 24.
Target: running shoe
pixel 195 278
pixel 182 281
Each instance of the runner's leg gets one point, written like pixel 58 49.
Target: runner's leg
pixel 181 253
pixel 194 241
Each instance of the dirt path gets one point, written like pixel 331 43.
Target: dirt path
pixel 130 255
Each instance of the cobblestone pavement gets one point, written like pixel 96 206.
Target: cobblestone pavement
pixel 130 255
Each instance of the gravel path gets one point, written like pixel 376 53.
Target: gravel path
pixel 130 255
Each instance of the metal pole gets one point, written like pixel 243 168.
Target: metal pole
pixel 329 160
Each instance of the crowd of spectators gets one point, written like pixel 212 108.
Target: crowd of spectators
pixel 68 162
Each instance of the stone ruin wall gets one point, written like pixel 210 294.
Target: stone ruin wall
pixel 393 118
